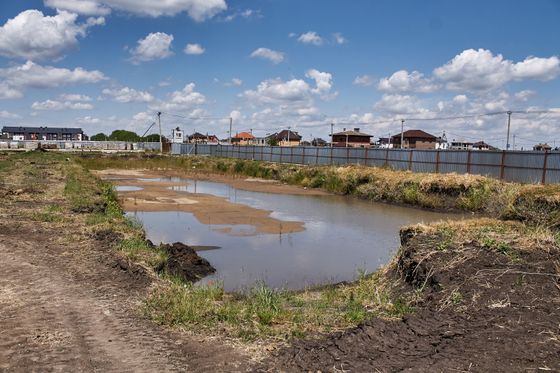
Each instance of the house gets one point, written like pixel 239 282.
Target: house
pixel 199 138
pixel 353 139
pixel 542 148
pixel 414 139
pixel 43 133
pixel 260 141
pixel 243 138
pixel 481 145
pixel 461 145
pixel 319 142
pixel 177 136
pixel 287 138
pixel 384 143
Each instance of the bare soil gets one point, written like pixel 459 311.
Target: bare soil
pixel 478 311
pixel 185 263
pixel 68 302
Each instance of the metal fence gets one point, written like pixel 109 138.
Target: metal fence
pixel 518 166
pixel 79 145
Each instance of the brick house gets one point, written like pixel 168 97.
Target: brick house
pixel 353 139
pixel 414 139
pixel 243 138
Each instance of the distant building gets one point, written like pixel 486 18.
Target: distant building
pixel 481 145
pixel 287 138
pixel 177 136
pixel 384 143
pixel 542 148
pixel 353 139
pixel 414 139
pixel 43 133
pixel 199 138
pixel 461 145
pixel 243 138
pixel 260 141
pixel 319 142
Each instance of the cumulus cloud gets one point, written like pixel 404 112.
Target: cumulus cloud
pixel 54 105
pixel 310 37
pixel 185 99
pixel 155 46
pixel 276 90
pixel 461 99
pixel 400 104
pixel 268 54
pixel 524 95
pixel 88 120
pixel 482 70
pixel 199 10
pixel 14 80
pixel 403 81
pixel 323 81
pixel 194 49
pixel 126 95
pixel 75 97
pixel 34 36
pixel 235 82
pixel 363 80
pixel 85 7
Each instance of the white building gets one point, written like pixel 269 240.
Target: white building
pixel 177 136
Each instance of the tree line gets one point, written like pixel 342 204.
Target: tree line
pixel 123 135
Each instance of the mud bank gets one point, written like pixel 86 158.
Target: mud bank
pixel 185 263
pixel 485 298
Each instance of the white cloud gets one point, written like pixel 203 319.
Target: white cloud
pixel 194 49
pixel 155 46
pixel 185 99
pixel 88 120
pixel 400 104
pixel 14 80
pixel 7 115
pixel 402 81
pixel 339 38
pixel 363 80
pixel 276 90
pixel 199 10
pixel 31 35
pixel 525 95
pixel 268 54
pixel 323 81
pixel 86 7
pixel 461 99
pixel 247 13
pixel 126 95
pixel 235 82
pixel 60 105
pixel 310 37
pixel 481 70
pixel 75 97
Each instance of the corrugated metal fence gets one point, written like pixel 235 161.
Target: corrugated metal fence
pixel 79 145
pixel 519 166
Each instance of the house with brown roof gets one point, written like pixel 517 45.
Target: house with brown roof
pixel 199 138
pixel 414 139
pixel 287 138
pixel 243 138
pixel 352 139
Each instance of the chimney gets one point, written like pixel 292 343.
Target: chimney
pixel 357 129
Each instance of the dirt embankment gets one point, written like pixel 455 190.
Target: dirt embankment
pixel 68 300
pixel 184 262
pixel 485 300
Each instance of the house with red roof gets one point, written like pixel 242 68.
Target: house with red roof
pixel 243 138
pixel 414 139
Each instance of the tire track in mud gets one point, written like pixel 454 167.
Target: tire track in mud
pixel 58 312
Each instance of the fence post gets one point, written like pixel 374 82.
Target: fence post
pixel 469 162
pixel 317 156
pixel 503 165
pixel 387 158
pixel 303 156
pixel 544 169
pixel 366 163
pixel 331 155
pixel 437 161
pixel 348 155
pixel 291 154
pixel 410 160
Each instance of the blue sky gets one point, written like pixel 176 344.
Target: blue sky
pixel 270 64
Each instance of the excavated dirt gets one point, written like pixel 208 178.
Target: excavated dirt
pixel 479 311
pixel 184 262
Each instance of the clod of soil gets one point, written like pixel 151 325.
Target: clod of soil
pixel 184 262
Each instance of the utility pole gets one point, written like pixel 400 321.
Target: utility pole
pixel 509 125
pixel 332 128
pixel 402 133
pixel 289 135
pixel 160 138
pixel 230 125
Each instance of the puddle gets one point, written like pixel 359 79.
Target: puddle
pixel 127 188
pixel 341 236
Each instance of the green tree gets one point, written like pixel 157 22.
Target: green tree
pixel 99 137
pixel 272 141
pixel 123 135
pixel 153 138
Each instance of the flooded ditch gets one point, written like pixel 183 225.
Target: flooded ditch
pixel 286 241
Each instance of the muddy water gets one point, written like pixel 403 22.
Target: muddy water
pixel 342 236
